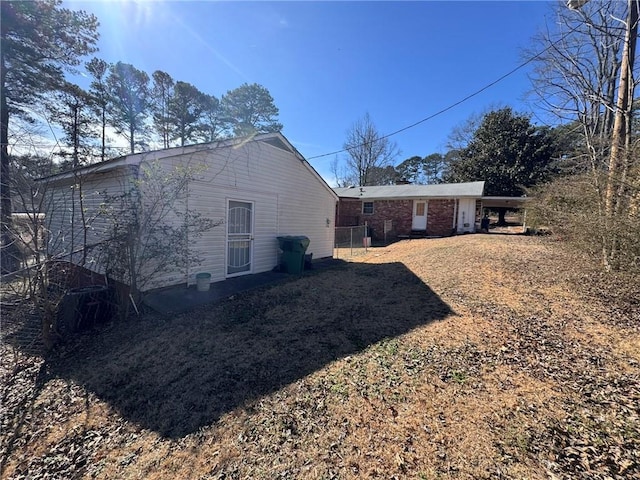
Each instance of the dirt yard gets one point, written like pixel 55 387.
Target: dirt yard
pixel 479 356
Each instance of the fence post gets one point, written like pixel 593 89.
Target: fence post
pixel 351 232
pixel 366 236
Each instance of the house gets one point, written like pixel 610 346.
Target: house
pixel 255 189
pixel 398 211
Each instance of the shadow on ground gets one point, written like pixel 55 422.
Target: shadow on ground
pixel 176 375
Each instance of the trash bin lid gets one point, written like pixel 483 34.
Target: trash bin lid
pixel 294 242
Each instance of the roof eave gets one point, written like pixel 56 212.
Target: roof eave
pixel 411 197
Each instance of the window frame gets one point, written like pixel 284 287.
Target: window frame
pixel 364 209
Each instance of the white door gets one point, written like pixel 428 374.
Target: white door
pixel 467 215
pixel 419 215
pixel 239 237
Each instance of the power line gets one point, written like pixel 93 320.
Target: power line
pixel 453 105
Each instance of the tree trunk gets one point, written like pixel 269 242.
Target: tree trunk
pixel 619 156
pixel 103 150
pixel 623 108
pixel 501 214
pixel 132 141
pixel 8 259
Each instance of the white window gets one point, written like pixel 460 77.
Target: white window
pixel 367 208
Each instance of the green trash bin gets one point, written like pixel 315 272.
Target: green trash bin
pixel 293 250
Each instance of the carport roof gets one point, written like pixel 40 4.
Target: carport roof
pixel 388 192
pixel 504 202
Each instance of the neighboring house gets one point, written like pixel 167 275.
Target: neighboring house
pixel 398 211
pixel 259 188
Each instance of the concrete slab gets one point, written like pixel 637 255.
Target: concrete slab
pixel 179 298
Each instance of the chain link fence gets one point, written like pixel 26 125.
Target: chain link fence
pixel 351 241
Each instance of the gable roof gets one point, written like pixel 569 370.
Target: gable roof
pixel 276 139
pixel 392 192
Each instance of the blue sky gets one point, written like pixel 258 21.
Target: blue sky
pixel 328 63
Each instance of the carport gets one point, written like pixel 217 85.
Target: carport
pixel 507 203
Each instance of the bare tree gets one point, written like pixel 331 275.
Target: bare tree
pixel 585 74
pixel 575 76
pixel 39 284
pixel 368 149
pixel 340 177
pixel 462 133
pixel 144 236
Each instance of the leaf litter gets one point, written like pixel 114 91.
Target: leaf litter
pixel 525 367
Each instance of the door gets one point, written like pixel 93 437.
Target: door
pixel 419 215
pixel 467 215
pixel 239 237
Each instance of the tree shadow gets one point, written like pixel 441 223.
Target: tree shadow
pixel 22 329
pixel 176 375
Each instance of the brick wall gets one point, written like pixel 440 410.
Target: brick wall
pixel 348 213
pixel 440 217
pixel 400 212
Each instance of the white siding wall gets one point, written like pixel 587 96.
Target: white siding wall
pixel 64 210
pixel 288 199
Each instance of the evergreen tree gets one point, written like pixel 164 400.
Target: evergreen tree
pixel 129 100
pixel 70 108
pixel 250 109
pixel 184 114
pixel 98 70
pixel 507 152
pixel 211 124
pixel 419 170
pixel 38 42
pixel 410 170
pixel 162 93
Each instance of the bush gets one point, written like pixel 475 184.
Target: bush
pixel 571 207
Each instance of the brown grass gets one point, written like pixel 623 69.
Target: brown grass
pixel 481 356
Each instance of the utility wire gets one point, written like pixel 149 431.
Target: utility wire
pixel 453 105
